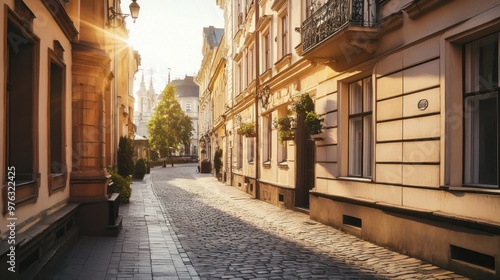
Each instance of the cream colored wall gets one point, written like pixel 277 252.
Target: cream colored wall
pixel 29 213
pixel 409 157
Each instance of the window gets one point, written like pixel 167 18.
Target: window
pixel 360 128
pixel 282 148
pixel 267 138
pixel 251 149
pixel 239 79
pixel 284 35
pixel 240 151
pixel 21 112
pixel 188 107
pixel 56 116
pixel 481 109
pixel 266 63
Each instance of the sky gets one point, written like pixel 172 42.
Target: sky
pixel 169 36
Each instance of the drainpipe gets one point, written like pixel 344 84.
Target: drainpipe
pixel 257 86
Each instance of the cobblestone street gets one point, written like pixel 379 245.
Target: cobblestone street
pixel 225 234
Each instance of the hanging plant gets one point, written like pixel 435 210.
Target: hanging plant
pixel 203 151
pixel 303 104
pixel 313 122
pixel 286 129
pixel 247 129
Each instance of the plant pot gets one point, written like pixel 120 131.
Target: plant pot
pixel 318 137
pixel 287 138
pixel 251 135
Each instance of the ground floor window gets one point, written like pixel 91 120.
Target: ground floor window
pixel 481 107
pixel 360 128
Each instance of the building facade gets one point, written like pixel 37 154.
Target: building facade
pixel 58 120
pixel 407 93
pixel 210 108
pixel 188 97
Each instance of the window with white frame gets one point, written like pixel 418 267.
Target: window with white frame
pixel 360 128
pixel 481 107
pixel 266 50
pixel 283 31
pixel 188 107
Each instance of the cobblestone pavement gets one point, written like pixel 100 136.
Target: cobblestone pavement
pixel 225 234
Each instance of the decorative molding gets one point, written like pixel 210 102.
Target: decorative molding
pixel 391 22
pixel 56 9
pixel 277 4
pixel 58 49
pixel 24 13
pixel 416 8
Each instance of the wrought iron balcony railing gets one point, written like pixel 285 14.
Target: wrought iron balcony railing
pixel 334 16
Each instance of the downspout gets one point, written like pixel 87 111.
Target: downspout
pixel 257 86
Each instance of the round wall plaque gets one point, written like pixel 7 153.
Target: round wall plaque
pixel 423 104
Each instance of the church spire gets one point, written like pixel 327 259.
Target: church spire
pixel 151 90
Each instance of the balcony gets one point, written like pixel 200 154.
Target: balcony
pixel 341 33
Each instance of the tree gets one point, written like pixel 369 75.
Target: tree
pixel 169 126
pixel 218 162
pixel 125 157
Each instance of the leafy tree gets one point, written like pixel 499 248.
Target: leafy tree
pixel 125 157
pixel 169 126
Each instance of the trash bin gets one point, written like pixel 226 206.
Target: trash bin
pixel 206 167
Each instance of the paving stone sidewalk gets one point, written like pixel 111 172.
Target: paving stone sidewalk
pixel 146 248
pixel 180 224
pixel 229 235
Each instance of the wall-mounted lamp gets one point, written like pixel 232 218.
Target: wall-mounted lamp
pixel 134 12
pixel 264 94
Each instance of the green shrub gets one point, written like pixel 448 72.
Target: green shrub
pixel 120 185
pixel 125 155
pixel 312 123
pixel 218 161
pixel 140 169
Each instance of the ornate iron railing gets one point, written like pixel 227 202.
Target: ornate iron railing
pixel 333 16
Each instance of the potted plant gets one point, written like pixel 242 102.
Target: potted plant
pixel 312 123
pixel 303 104
pixel 286 128
pixel 247 129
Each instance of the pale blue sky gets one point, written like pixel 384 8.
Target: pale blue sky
pixel 169 34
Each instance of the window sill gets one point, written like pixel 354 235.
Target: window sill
pixel 356 179
pixel 283 164
pixel 266 164
pixel 470 189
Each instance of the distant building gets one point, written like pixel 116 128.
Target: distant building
pixel 188 97
pixel 147 99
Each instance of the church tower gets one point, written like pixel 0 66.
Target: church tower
pixel 146 99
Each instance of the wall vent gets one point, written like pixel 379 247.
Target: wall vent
pixel 352 221
pixel 472 257
pixel 281 198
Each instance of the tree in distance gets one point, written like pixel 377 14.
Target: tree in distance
pixel 169 127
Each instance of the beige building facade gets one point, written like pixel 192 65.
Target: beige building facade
pixel 407 91
pixel 58 127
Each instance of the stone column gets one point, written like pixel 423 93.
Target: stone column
pixel 89 178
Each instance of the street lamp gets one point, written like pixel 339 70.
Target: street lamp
pixel 134 12
pixel 264 96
